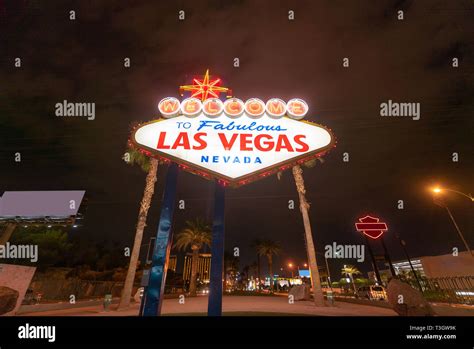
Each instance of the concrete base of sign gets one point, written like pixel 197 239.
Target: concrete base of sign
pixel 407 301
pixel 8 299
pixel 300 292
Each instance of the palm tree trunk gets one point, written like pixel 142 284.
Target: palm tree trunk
pixel 7 233
pixel 194 265
pixel 318 296
pixel 353 284
pixel 142 215
pixel 270 270
pixel 258 273
pixel 224 285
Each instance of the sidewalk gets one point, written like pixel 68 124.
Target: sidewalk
pixel 235 305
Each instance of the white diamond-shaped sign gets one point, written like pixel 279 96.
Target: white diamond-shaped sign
pixel 235 150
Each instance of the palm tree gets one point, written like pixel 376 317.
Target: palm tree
pixel 256 244
pixel 268 248
pixel 231 267
pixel 196 235
pixel 350 270
pixel 149 165
pixel 253 271
pixel 246 272
pixel 7 232
pixel 318 296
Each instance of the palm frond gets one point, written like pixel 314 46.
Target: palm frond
pixel 268 247
pixel 313 162
pixel 197 233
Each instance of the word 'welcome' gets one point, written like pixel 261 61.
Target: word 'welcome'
pixel 233 107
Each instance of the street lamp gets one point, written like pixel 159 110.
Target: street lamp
pixel 328 276
pixel 290 266
pixel 438 191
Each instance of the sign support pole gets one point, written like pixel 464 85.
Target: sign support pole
pixel 403 244
pixel 164 238
pixel 389 260
pixel 374 262
pixel 214 307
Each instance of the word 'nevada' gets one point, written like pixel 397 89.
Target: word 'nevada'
pixel 233 107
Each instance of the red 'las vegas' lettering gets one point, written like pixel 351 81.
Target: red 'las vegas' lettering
pixel 227 143
pixel 299 141
pixel 264 145
pixel 242 141
pixel 245 141
pixel 264 142
pixel 161 141
pixel 182 141
pixel 283 143
pixel 198 137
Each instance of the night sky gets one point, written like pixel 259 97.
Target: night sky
pixel 391 158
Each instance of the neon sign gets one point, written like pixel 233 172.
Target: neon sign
pixel 371 227
pixel 253 108
pixel 205 88
pixel 234 141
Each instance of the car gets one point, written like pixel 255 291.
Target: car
pixel 373 292
pixel 203 289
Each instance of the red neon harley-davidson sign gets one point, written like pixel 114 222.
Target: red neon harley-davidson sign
pixel 371 227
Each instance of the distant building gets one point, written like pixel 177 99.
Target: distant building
pixel 404 266
pixel 172 263
pixel 439 266
pixel 204 267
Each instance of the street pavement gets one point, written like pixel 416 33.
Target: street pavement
pixel 231 304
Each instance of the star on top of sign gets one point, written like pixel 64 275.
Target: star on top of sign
pixel 205 88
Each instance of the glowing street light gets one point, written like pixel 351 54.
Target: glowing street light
pixel 290 266
pixel 437 191
pixel 440 190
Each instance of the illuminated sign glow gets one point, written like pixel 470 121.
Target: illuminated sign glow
pixel 233 149
pixel 253 108
pixel 205 88
pixel 233 141
pixel 371 227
